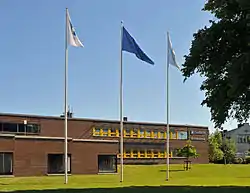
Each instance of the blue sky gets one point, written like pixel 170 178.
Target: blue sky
pixel 32 59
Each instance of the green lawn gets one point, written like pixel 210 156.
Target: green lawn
pixel 208 178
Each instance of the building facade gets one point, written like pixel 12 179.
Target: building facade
pixel 241 137
pixel 34 145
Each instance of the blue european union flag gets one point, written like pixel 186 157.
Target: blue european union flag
pixel 130 45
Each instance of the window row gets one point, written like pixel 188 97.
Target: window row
pixel 243 138
pixel 19 128
pixel 155 154
pixel 55 163
pixel 139 133
pixel 106 163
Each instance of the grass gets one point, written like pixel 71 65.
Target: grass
pixel 208 178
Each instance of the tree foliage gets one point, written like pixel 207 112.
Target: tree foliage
pixel 215 152
pixel 221 54
pixel 188 151
pixel 229 150
pixel 219 147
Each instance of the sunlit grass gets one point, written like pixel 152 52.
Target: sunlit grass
pixel 155 175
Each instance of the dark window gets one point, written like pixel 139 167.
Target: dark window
pixel 10 127
pixel 107 163
pixel 32 128
pixel 6 163
pixel 21 128
pixel 56 163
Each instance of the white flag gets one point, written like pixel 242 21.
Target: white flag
pixel 171 55
pixel 73 40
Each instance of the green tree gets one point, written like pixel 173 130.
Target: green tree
pixel 220 148
pixel 188 151
pixel 215 142
pixel 220 53
pixel 229 150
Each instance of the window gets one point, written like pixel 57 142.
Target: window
pixel 113 132
pixel 173 135
pixel 155 154
pixel 248 139
pixel 19 128
pixel 182 135
pixel 6 163
pixel 126 133
pixel 134 133
pixel 107 164
pixel 56 163
pixel 96 131
pixel 142 134
pixel 32 128
pixel 10 127
pixel 134 153
pixel 155 134
pixel 161 135
pixel 148 134
pixel 105 132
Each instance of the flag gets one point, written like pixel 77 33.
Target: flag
pixel 73 39
pixel 171 55
pixel 130 45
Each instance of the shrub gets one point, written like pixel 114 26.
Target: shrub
pixel 248 160
pixel 238 160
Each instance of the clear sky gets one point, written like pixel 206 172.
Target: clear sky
pixel 32 59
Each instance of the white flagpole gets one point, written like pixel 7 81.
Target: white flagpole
pixel 167 79
pixel 65 104
pixel 121 107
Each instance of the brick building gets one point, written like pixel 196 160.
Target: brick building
pixel 34 145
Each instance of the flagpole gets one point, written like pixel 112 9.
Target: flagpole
pixel 65 105
pixel 167 79
pixel 121 107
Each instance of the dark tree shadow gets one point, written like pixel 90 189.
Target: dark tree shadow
pixel 173 170
pixel 148 189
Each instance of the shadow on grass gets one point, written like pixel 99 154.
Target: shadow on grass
pixel 172 170
pixel 150 189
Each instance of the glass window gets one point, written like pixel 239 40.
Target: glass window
pixel 6 163
pixel 97 132
pixel 148 134
pixel 142 133
pixel 10 127
pixel 113 132
pixel 56 162
pixel 182 135
pixel 107 164
pixel 126 133
pixel 21 128
pixel 32 128
pixel 173 134
pixel 105 131
pixel 155 134
pixel 135 132
pixel 248 139
pixel 162 135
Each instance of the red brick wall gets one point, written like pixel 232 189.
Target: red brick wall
pixel 84 159
pixel 30 156
pixel 85 156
